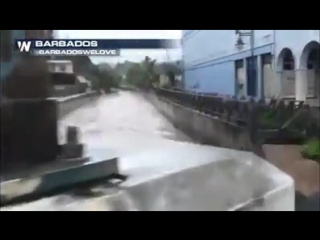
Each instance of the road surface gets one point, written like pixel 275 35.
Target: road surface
pixel 124 122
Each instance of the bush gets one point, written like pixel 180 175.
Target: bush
pixel 311 149
pixel 268 120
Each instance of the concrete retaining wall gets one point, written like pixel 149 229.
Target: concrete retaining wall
pixel 201 127
pixel 68 104
pixel 29 128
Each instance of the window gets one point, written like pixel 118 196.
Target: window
pixel 288 61
pixel 266 59
pixel 239 64
pixel 288 65
pixel 313 59
pixel 6 45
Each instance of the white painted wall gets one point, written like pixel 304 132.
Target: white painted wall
pixel 201 45
pixel 296 40
pixel 205 45
pixel 217 46
pixel 215 51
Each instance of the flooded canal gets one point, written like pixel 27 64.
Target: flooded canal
pixel 124 122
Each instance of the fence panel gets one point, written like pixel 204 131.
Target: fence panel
pixel 264 121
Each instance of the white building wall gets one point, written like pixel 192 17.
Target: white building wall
pixel 296 41
pixel 205 45
pixel 209 57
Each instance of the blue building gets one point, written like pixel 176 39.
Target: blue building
pixel 260 63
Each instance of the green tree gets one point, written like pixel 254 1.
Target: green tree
pixel 108 79
pixel 143 75
pixel 151 78
pixel 135 75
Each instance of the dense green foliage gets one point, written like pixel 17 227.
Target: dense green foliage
pixel 268 120
pixel 102 76
pixel 275 118
pixel 311 149
pixel 147 73
pixel 32 76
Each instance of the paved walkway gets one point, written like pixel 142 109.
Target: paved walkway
pixel 288 158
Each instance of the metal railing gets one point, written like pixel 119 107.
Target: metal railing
pixel 259 117
pixel 211 104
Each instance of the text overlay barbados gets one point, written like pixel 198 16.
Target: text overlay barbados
pixel 76 52
pixel 97 43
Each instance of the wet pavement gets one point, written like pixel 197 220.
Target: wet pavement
pixel 123 122
pixel 181 177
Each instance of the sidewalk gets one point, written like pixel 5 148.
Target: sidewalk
pixel 304 172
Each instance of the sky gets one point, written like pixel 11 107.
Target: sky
pixel 130 55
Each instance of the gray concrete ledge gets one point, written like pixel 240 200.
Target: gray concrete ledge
pixel 181 177
pixel 69 104
pixel 50 177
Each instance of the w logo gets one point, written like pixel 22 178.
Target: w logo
pixel 24 46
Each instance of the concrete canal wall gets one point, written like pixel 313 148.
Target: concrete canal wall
pixel 69 104
pixel 201 127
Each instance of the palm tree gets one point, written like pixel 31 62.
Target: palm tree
pixel 151 77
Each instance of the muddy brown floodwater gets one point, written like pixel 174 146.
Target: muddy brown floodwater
pixel 124 122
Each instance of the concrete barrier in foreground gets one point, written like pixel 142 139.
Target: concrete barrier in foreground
pixel 179 177
pixel 201 127
pixel 29 128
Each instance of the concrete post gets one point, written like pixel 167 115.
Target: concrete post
pixel 301 84
pixel 259 77
pixel 245 66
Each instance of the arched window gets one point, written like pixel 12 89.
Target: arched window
pixel 313 59
pixel 288 61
